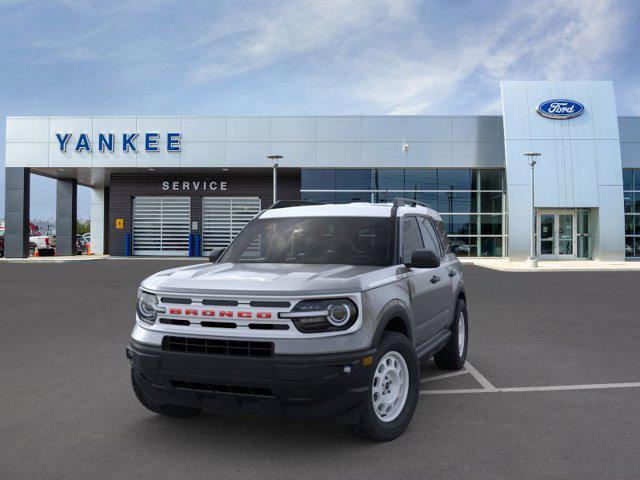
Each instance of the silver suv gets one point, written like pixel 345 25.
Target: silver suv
pixel 312 311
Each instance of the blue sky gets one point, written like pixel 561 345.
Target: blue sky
pixel 76 57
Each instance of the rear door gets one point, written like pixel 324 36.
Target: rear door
pixel 425 284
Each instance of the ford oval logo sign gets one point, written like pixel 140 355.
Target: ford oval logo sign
pixel 560 109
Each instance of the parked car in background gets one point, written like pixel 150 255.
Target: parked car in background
pixel 81 245
pixel 45 243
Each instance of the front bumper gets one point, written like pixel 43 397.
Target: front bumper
pixel 307 386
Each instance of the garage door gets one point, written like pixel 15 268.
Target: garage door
pixel 161 225
pixel 224 217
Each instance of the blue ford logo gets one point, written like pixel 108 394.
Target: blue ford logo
pixel 560 109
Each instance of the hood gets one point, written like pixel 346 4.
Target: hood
pixel 267 278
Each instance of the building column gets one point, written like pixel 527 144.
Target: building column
pixel 97 221
pixel 17 191
pixel 66 217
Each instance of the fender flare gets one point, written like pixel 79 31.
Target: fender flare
pixel 392 310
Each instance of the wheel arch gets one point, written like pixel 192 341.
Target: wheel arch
pixel 393 317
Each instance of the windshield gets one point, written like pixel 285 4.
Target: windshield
pixel 318 240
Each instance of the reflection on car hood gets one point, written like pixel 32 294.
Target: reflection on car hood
pixel 268 278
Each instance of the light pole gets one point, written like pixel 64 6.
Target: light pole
pixel 274 163
pixel 532 261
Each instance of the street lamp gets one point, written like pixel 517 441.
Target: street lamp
pixel 274 163
pixel 532 261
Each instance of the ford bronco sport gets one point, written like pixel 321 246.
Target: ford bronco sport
pixel 313 311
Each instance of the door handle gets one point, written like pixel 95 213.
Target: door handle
pixel 452 273
pixel 435 279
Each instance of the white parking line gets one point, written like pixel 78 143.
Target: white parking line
pixel 486 384
pixel 549 388
pixel 444 375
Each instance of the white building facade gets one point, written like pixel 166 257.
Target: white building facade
pixel 182 185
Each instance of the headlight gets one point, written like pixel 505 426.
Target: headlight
pixel 313 316
pixel 147 306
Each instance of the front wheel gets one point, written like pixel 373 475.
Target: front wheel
pixel 454 354
pixel 393 391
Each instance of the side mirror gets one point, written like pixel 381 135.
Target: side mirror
pixel 215 254
pixel 424 259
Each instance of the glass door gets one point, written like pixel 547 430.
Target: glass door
pixel 556 235
pixel 566 226
pixel 546 235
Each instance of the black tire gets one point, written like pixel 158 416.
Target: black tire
pixel 450 357
pixel 165 410
pixel 372 427
pixel 32 249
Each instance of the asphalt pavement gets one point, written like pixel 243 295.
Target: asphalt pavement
pixel 551 389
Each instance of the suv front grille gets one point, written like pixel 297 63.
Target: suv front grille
pixel 208 346
pixel 230 389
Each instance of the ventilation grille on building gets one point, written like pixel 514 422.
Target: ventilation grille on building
pixel 161 225
pixel 224 217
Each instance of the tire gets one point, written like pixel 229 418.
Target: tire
pixel 165 410
pixel 454 354
pixel 396 348
pixel 32 249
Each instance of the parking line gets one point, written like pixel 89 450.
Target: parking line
pixel 444 375
pixel 549 388
pixel 486 384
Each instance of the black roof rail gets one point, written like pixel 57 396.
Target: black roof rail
pixel 291 203
pixel 400 202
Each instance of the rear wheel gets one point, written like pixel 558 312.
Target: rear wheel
pixel 166 410
pixel 393 391
pixel 454 354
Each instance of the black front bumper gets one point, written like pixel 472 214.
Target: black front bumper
pixel 309 386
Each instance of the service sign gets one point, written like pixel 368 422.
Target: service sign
pixel 560 109
pixel 149 141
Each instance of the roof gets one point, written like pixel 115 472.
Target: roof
pixel 359 209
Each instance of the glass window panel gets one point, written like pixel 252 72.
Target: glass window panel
pixel 318 179
pixel 319 197
pixel 490 179
pixel 628 202
pixel 429 236
pixel 422 179
pixel 627 178
pixel 636 203
pixel 353 179
pixel 430 198
pixel 460 224
pixel 464 246
pixel 348 197
pixel 388 179
pixel 491 247
pixel 583 222
pixel 490 224
pixel 629 250
pixel 629 226
pixel 491 202
pixel 637 224
pixel 454 179
pixel 457 202
pixel 636 179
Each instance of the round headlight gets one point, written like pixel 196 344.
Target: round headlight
pixel 338 314
pixel 147 307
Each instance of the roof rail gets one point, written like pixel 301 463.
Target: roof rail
pixel 291 203
pixel 401 202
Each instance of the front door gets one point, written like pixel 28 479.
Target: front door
pixel 556 235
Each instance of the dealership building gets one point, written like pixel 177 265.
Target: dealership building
pixel 182 185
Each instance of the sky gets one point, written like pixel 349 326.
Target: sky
pixel 147 57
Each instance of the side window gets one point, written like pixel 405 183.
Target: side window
pixel 444 240
pixel 430 237
pixel 411 238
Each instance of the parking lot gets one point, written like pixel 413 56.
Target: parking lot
pixel 550 390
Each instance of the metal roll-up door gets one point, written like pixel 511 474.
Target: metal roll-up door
pixel 224 217
pixel 161 225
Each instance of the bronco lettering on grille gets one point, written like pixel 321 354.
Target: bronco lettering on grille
pixel 192 312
